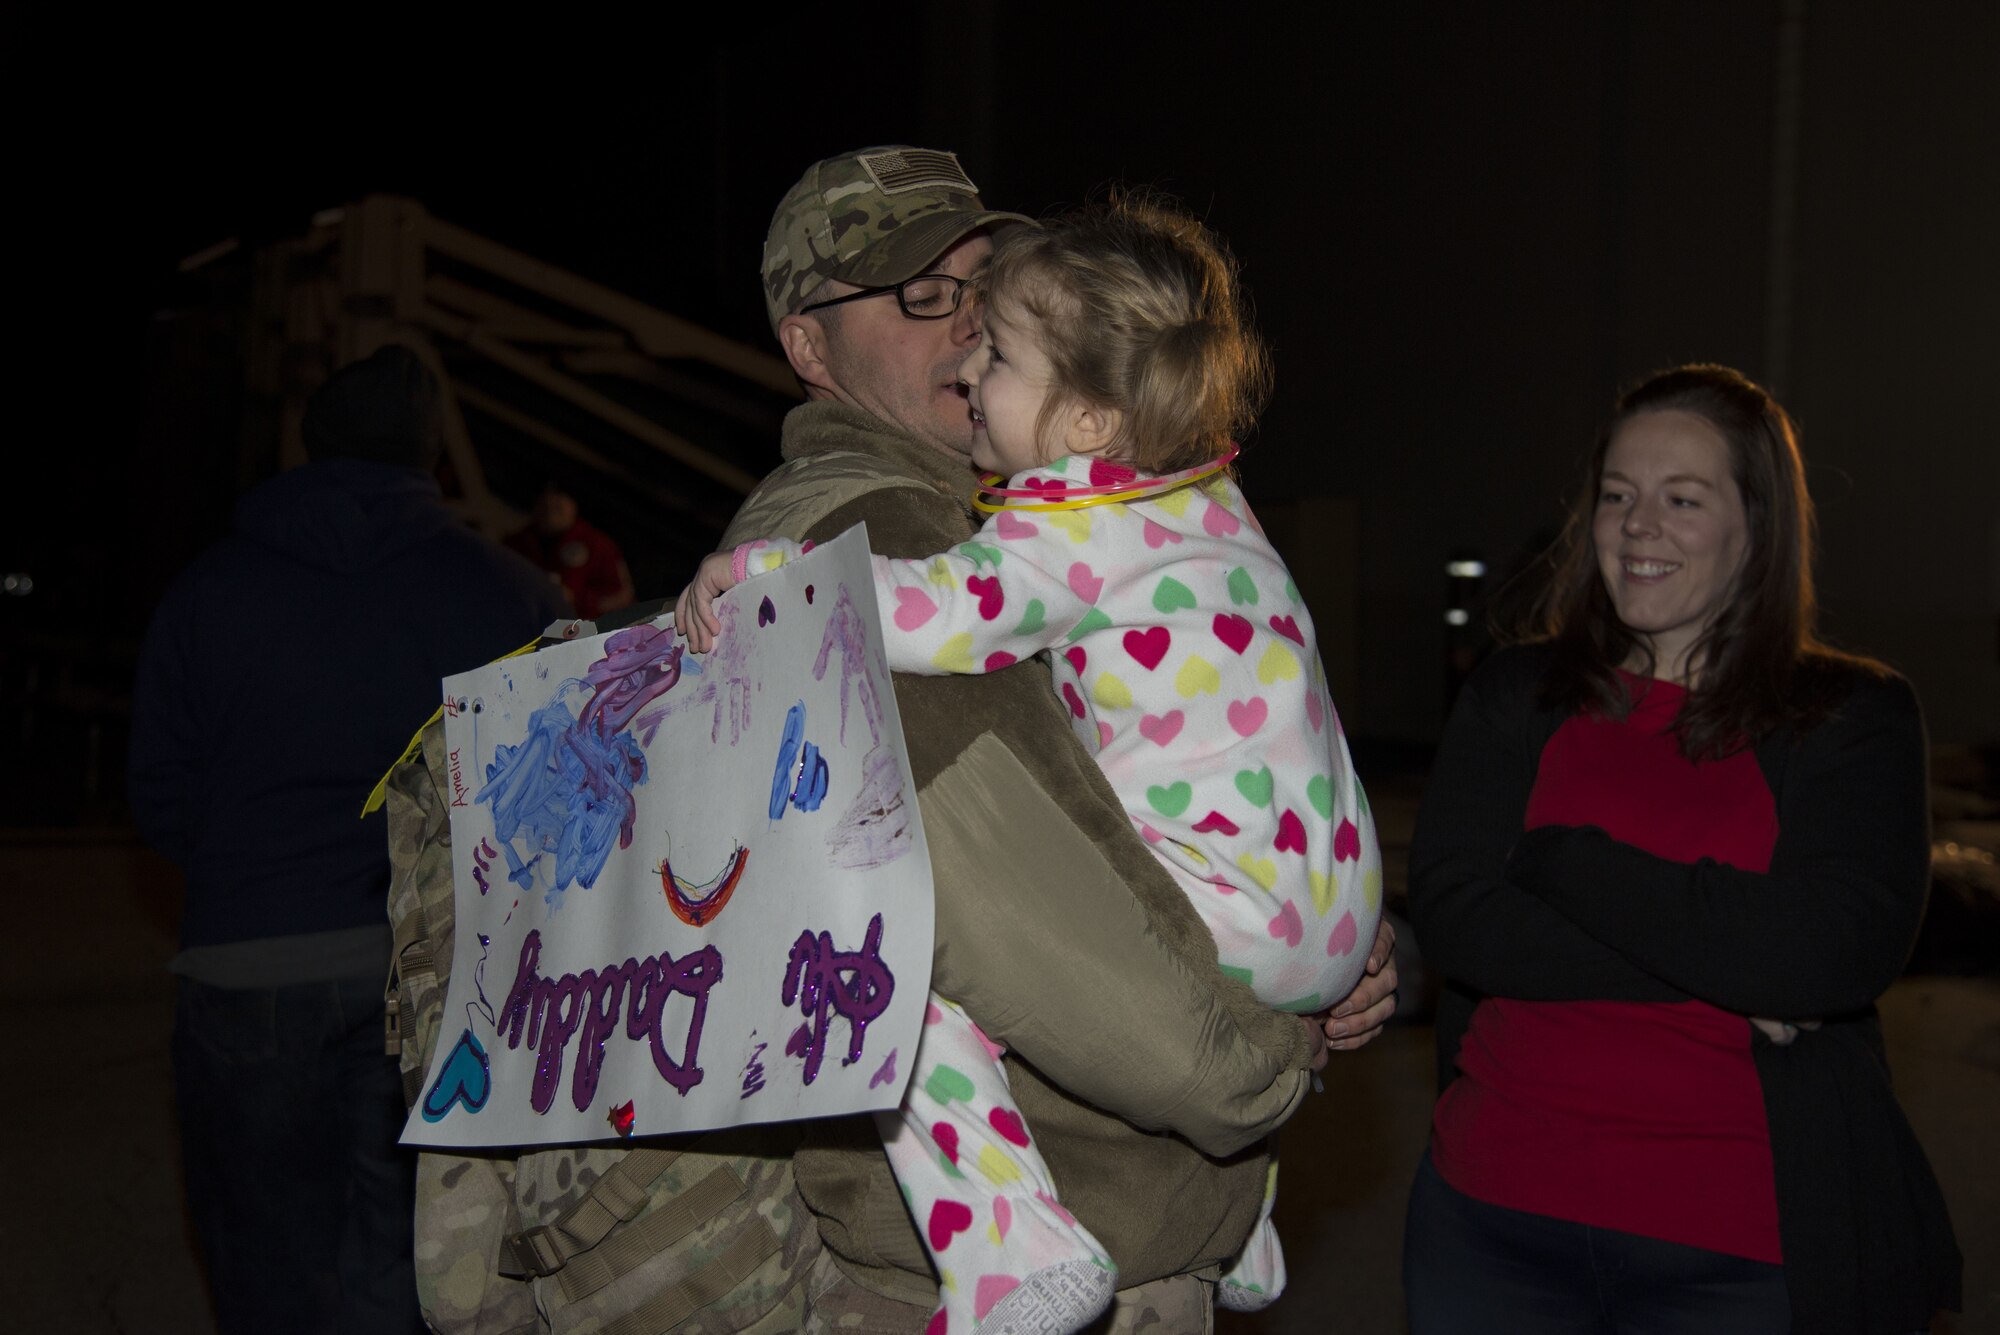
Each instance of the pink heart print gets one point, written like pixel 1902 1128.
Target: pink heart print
pixel 1219 522
pixel 1217 823
pixel 1246 716
pixel 1233 631
pixel 991 597
pixel 1055 1207
pixel 948 1219
pixel 1160 729
pixel 913 608
pixel 1075 700
pixel 946 1136
pixel 1289 628
pixel 1003 1216
pixel 1077 657
pixel 1314 713
pixel 1286 926
pixel 1346 842
pixel 1157 537
pixel 1104 473
pixel 1085 582
pixel 998 659
pixel 1291 833
pixel 1011 527
pixel 1148 647
pixel 990 1290
pixel 1344 935
pixel 1055 486
pixel 1008 1125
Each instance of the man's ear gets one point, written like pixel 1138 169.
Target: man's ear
pixel 805 343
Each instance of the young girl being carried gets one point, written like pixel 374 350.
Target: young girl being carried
pixel 1115 368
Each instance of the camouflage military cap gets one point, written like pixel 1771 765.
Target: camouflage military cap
pixel 870 218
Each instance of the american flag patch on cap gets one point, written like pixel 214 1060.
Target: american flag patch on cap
pixel 916 169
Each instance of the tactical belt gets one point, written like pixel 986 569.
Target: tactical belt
pixel 580 1251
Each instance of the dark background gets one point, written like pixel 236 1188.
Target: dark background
pixel 1465 227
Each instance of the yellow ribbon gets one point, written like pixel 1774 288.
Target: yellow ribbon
pixel 380 792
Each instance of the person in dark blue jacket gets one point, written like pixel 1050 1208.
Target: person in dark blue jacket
pixel 284 670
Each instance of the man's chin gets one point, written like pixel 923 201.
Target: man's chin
pixel 956 438
pixel 953 446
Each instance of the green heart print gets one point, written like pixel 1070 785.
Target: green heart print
pixel 1320 793
pixel 1092 620
pixel 947 1083
pixel 1255 785
pixel 1171 800
pixel 1170 594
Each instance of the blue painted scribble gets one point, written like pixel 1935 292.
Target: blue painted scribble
pixel 566 788
pixel 800 776
pixel 810 790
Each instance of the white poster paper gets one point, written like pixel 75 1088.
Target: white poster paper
pixel 691 891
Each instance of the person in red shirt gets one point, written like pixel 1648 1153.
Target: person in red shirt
pixel 1668 857
pixel 578 555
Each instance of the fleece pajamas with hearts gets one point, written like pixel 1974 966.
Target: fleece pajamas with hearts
pixel 1187 662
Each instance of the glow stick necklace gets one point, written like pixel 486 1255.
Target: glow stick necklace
pixel 1077 498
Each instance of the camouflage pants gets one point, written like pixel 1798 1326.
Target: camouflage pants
pixel 1178 1305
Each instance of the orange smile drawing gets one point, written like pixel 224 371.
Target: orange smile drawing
pixel 694 904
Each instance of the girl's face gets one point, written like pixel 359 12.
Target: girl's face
pixel 1009 379
pixel 1670 531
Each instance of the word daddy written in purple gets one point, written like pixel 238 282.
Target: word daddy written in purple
pixel 554 1010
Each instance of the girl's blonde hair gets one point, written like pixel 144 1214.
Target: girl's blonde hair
pixel 1139 309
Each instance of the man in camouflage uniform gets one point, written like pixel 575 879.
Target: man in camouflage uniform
pixel 1148 1078
pixel 1038 964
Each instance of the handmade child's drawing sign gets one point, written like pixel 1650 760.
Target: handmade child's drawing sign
pixel 691 892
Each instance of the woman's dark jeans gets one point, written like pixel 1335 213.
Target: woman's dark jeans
pixel 1470 1267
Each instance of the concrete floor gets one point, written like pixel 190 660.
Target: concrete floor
pixel 97 1241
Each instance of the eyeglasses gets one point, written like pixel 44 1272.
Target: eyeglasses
pixel 928 296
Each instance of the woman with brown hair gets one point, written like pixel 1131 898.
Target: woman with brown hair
pixel 1669 855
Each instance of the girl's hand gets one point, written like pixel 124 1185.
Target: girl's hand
pixel 694 610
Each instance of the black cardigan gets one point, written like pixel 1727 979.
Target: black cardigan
pixel 1564 914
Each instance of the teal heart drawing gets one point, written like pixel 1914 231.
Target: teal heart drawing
pixel 464 1078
